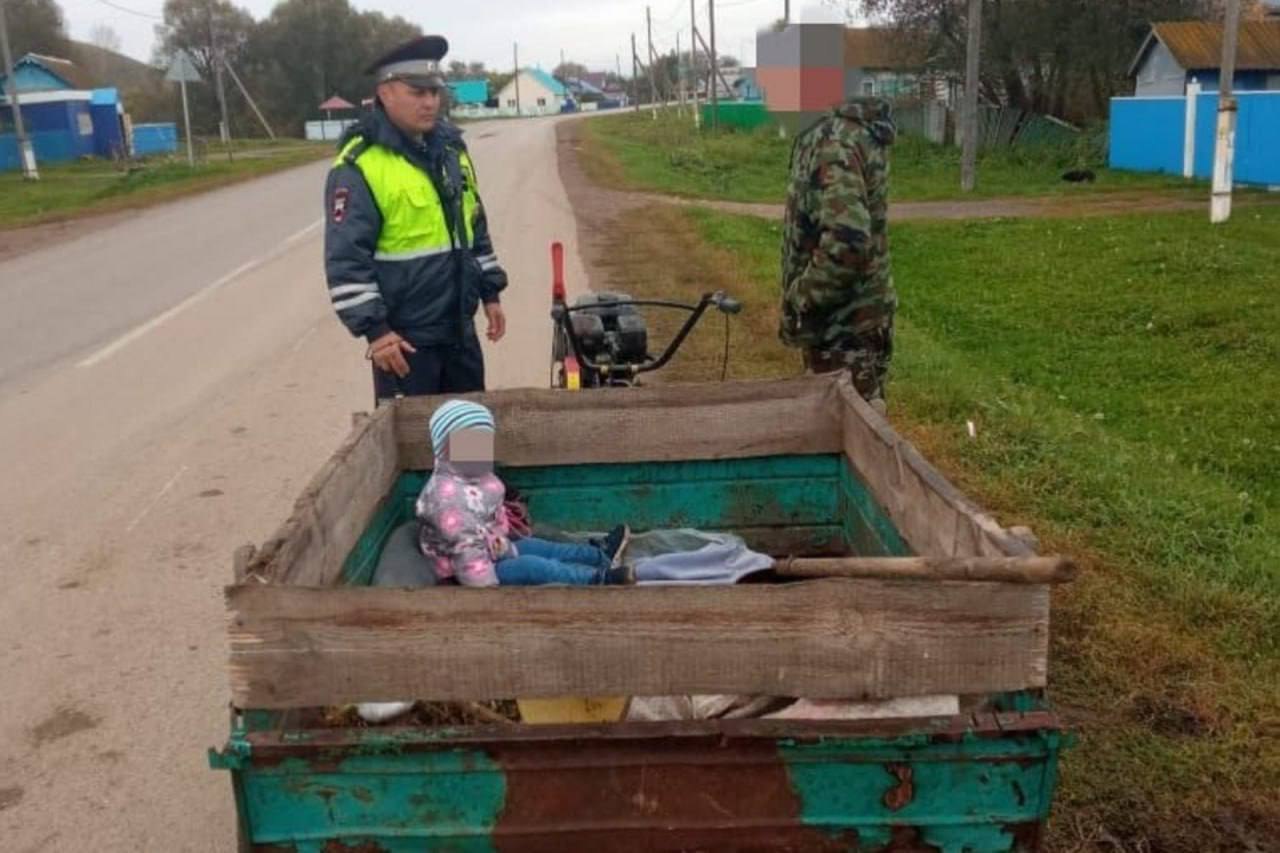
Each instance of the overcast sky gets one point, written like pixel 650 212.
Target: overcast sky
pixel 592 32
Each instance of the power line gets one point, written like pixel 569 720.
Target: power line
pixel 128 11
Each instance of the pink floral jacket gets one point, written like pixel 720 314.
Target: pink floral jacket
pixel 463 525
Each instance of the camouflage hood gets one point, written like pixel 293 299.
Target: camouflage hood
pixel 876 114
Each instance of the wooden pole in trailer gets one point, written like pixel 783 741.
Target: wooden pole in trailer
pixel 1024 570
pixel 1224 152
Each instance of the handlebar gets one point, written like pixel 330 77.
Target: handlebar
pixel 561 314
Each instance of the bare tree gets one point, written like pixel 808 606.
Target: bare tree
pixel 103 36
pixel 1062 57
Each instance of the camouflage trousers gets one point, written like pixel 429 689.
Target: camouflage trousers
pixel 865 355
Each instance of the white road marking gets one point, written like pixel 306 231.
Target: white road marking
pixel 146 510
pixel 162 318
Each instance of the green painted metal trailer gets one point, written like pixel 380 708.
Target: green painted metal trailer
pixel 799 469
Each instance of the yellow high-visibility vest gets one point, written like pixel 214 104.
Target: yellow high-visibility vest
pixel 413 220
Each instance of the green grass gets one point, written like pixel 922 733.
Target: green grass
pixel 671 156
pixel 1123 376
pixel 69 190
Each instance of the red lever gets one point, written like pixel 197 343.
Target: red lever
pixel 557 272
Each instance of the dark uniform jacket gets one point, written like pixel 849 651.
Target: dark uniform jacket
pixel 428 296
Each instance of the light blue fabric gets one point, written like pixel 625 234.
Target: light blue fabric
pixel 683 556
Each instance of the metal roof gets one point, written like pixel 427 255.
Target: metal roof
pixel 469 91
pixel 337 102
pixel 1197 45
pixel 65 70
pixel 547 81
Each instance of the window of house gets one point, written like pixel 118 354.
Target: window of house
pixel 542 102
pixel 86 124
pixel 511 102
pixel 868 87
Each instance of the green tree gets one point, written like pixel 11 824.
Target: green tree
pixel 35 26
pixel 206 30
pixel 309 50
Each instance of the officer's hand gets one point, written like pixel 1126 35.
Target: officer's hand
pixel 497 321
pixel 388 352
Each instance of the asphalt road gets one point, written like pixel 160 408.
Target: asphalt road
pixel 167 386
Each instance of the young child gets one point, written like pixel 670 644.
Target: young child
pixel 463 526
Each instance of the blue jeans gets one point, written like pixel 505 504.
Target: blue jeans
pixel 543 562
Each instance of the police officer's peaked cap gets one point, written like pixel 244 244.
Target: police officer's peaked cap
pixel 416 62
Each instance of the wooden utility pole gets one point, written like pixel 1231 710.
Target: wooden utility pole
pixel 1224 152
pixel 786 11
pixel 653 71
pixel 715 68
pixel 693 61
pixel 236 77
pixel 515 58
pixel 635 73
pixel 715 73
pixel 680 72
pixel 969 157
pixel 225 124
pixel 26 151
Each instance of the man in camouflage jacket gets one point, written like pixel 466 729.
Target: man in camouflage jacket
pixel 838 300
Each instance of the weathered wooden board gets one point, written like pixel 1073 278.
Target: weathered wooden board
pixel 933 516
pixel 310 547
pixel 293 647
pixel 673 422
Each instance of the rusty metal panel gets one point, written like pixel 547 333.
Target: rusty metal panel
pixel 981 783
pixel 1198 44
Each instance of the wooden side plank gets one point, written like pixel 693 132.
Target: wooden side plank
pixel 874 639
pixel 332 512
pixel 934 517
pixel 674 422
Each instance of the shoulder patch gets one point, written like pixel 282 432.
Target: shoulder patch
pixel 338 209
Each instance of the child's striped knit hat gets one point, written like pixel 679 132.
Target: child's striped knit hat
pixel 456 415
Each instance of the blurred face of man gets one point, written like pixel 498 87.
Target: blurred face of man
pixel 414 109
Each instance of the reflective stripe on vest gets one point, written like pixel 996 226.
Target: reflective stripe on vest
pixel 413 221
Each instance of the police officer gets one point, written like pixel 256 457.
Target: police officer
pixel 408 258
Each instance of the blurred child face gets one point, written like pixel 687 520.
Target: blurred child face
pixel 471 452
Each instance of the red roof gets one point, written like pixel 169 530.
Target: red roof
pixel 337 103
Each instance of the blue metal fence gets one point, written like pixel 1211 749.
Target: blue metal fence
pixel 1149 135
pixel 51 146
pixel 151 139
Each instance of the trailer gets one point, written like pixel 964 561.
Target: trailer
pixel 889 585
